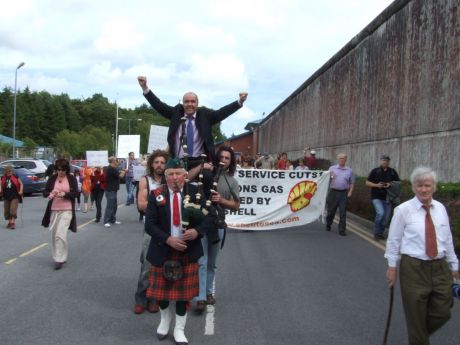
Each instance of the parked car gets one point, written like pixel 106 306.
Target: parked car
pixel 31 182
pixel 37 166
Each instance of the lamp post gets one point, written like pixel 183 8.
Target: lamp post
pixel 116 132
pixel 129 123
pixel 14 107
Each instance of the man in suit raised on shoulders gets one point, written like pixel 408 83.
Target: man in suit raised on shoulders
pixel 197 127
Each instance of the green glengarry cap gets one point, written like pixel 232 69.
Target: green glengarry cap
pixel 174 163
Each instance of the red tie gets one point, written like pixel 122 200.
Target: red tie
pixel 176 213
pixel 431 246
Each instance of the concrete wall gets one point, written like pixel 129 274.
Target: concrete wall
pixel 394 89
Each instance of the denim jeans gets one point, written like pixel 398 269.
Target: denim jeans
pixel 207 264
pixel 111 207
pixel 382 215
pixel 130 190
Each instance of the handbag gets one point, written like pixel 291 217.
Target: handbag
pixel 173 270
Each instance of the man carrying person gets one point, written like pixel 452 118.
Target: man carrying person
pixel 341 188
pixel 379 180
pixel 153 180
pixel 227 196
pixel 174 251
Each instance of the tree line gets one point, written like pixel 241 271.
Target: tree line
pixel 74 126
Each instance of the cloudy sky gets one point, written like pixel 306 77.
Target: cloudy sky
pixel 213 47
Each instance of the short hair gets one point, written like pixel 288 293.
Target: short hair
pixel 155 154
pixel 62 163
pixel 342 154
pixel 190 93
pixel 8 168
pixel 112 159
pixel 422 173
pixel 232 166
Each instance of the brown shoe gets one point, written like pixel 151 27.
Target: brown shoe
pixel 153 307
pixel 138 309
pixel 200 307
pixel 210 299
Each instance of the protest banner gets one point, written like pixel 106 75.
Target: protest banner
pixel 158 138
pixel 138 172
pixel 97 158
pixel 277 199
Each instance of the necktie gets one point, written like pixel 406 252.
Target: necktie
pixel 190 136
pixel 431 246
pixel 176 213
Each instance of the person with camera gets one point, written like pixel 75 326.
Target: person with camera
pixel 380 180
pixel 225 197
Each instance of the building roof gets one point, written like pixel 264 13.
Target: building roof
pixel 8 140
pixel 253 124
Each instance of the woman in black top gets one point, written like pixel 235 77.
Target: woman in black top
pixel 11 189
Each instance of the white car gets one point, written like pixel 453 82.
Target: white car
pixel 37 166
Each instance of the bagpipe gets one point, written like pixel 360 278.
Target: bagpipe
pixel 195 209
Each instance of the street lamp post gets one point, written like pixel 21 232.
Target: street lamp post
pixel 116 133
pixel 14 107
pixel 129 123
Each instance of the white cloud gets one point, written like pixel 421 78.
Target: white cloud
pixel 215 48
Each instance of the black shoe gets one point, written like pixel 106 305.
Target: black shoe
pixel 58 265
pixel 328 228
pixel 97 221
pixel 342 233
pixel 379 236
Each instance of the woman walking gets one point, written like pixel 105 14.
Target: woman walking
pixel 61 190
pixel 11 188
pixel 86 187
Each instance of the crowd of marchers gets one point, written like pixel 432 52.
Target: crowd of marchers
pixel 182 198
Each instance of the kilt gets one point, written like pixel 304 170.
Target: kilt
pixel 185 289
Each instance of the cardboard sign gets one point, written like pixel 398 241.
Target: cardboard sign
pixel 158 138
pixel 97 158
pixel 127 144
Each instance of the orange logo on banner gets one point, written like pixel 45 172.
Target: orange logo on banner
pixel 301 194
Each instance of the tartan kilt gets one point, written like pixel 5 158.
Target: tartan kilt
pixel 185 289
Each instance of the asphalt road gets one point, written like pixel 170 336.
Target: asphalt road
pixel 298 286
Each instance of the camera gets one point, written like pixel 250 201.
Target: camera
pixel 456 290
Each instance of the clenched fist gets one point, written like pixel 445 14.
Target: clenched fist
pixel 142 82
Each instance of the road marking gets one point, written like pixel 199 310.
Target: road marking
pixel 33 250
pixel 209 326
pixel 360 232
pixel 85 224
pixel 10 261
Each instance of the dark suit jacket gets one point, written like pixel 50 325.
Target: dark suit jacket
pixel 158 226
pixel 73 184
pixel 204 120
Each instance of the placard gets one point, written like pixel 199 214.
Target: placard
pixel 97 158
pixel 158 138
pixel 138 172
pixel 127 144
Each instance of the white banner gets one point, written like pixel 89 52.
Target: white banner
pixel 138 172
pixel 158 138
pixel 277 199
pixel 97 158
pixel 127 144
